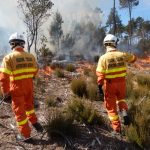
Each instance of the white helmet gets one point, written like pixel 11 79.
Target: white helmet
pixel 16 40
pixel 110 40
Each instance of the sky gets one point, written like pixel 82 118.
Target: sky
pixel 71 10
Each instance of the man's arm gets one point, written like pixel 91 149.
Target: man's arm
pixel 5 72
pixel 130 58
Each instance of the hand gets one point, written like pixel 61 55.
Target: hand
pixel 7 98
pixel 100 93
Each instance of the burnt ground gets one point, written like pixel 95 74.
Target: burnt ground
pixel 91 138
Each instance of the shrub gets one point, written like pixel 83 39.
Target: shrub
pixel 139 131
pixel 83 111
pixel 59 73
pixel 39 84
pixel 93 75
pixel 144 80
pixel 87 72
pixel 139 95
pixel 70 68
pixel 129 84
pixel 59 123
pixel 56 65
pixel 92 91
pixel 79 87
pixel 51 101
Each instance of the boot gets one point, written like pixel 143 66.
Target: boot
pixel 126 119
pixel 23 139
pixel 38 127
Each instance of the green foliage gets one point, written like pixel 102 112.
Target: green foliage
pixel 59 73
pixel 70 68
pixel 79 87
pixel 60 123
pixel 83 111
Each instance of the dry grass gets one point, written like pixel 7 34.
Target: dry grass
pixel 60 123
pixel 59 73
pixel 139 95
pixel 79 87
pixel 83 111
pixel 70 68
pixel 92 92
pixel 51 101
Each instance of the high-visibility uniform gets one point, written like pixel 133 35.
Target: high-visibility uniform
pixel 16 73
pixel 111 71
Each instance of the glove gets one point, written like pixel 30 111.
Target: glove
pixel 7 98
pixel 100 93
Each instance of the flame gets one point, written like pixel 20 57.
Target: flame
pixel 46 71
pixel 143 63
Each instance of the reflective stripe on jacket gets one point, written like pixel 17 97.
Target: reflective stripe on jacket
pixel 113 64
pixel 17 65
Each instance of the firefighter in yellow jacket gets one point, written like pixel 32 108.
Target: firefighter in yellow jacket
pixel 16 75
pixel 111 71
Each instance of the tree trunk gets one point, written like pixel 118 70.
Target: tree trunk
pixel 130 30
pixel 114 18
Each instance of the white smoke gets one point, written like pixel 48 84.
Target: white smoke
pixel 77 11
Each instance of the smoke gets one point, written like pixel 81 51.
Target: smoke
pixel 80 13
pixel 74 11
pixel 10 23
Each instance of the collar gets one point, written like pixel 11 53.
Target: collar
pixel 110 49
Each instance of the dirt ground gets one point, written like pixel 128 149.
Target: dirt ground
pixel 95 138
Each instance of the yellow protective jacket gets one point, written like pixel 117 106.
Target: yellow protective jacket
pixel 112 64
pixel 16 66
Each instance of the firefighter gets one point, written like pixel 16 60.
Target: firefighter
pixel 111 72
pixel 16 78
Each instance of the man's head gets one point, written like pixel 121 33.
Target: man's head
pixel 110 40
pixel 16 40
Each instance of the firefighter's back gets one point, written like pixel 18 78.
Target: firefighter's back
pixel 23 66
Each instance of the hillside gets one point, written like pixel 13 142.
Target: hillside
pixel 47 85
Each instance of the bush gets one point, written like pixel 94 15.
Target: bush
pixel 56 65
pixel 60 123
pixel 83 112
pixel 139 95
pixel 59 73
pixel 139 131
pixel 144 80
pixel 70 68
pixel 129 84
pixel 79 87
pixel 92 92
pixel 87 72
pixel 93 75
pixel 51 101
